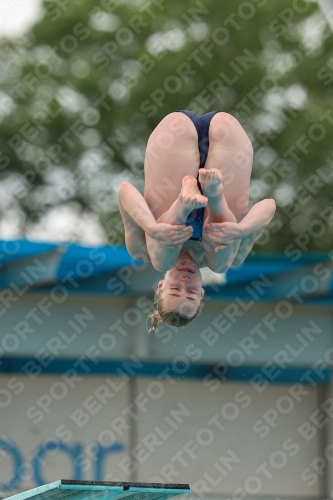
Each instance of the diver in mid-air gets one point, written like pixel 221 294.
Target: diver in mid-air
pixel 194 212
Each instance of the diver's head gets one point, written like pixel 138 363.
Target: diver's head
pixel 179 295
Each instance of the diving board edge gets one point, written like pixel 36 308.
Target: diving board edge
pixel 71 484
pixel 36 491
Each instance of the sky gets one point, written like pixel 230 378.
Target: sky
pixel 16 16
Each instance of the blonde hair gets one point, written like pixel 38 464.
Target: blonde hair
pixel 172 318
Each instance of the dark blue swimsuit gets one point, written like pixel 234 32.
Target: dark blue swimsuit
pixel 201 123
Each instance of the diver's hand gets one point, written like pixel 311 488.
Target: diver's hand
pixel 224 233
pixel 170 234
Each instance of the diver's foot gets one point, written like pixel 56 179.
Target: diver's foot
pixel 211 181
pixel 190 196
pixel 188 199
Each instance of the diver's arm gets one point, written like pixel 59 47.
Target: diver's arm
pixel 252 225
pixel 157 242
pixel 221 260
pixel 227 244
pixel 163 256
pixel 134 234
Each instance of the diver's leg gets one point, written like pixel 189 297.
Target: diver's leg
pixel 172 153
pixel 230 151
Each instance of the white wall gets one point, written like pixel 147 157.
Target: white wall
pixel 223 331
pixel 114 329
pixel 168 431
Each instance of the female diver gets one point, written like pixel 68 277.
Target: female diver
pixel 194 212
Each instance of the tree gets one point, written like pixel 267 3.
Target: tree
pixel 84 89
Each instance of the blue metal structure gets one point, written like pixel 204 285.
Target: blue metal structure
pixel 110 270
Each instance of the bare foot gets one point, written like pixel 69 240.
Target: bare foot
pixel 188 199
pixel 190 195
pixel 211 181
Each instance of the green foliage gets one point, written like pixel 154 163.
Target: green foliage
pixel 82 92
